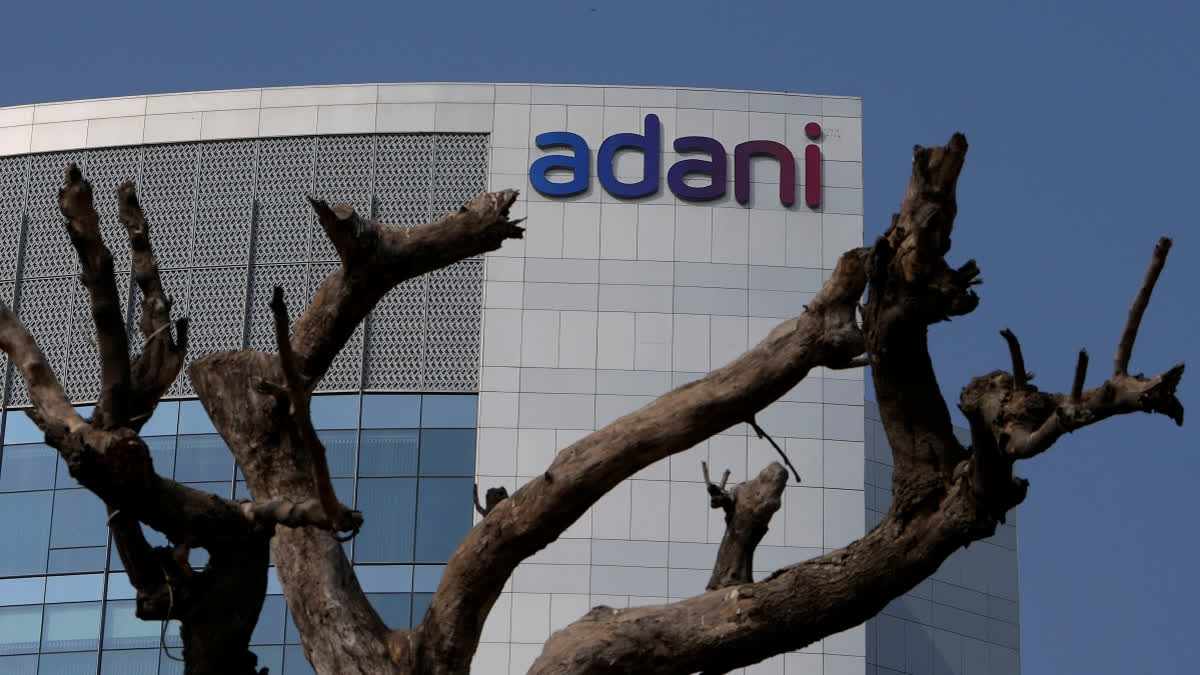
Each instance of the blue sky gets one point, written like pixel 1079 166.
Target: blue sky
pixel 1082 119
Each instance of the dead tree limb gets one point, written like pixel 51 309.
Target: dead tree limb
pixel 748 510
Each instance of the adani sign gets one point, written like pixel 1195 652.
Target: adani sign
pixel 650 145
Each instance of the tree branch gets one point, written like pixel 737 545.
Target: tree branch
pixel 1140 301
pixel 748 510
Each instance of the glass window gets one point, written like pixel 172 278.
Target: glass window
pixel 447 452
pixel 394 608
pixel 25 538
pixel 17 665
pixel 162 453
pixel 384 578
pixel 391 452
pixel 27 467
pixel 20 629
pixel 79 520
pixel 427 577
pixel 388 506
pixel 80 663
pixel 66 560
pixel 203 458
pixel 71 627
pixel 420 603
pixel 448 411
pixel 27 591
pixel 295 663
pixel 443 516
pixel 163 421
pixel 291 633
pixel 270 658
pixel 269 630
pixel 74 587
pixel 170 662
pixel 339 452
pixel 193 419
pixel 389 411
pixel 18 428
pixel 122 628
pixel 129 662
pixel 334 412
pixel 153 537
pixel 63 478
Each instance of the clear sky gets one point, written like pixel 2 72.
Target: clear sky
pixel 1083 123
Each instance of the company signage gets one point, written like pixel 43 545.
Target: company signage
pixel 649 143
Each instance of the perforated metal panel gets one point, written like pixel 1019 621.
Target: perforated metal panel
pixel 229 221
pixel 225 203
pixel 14 174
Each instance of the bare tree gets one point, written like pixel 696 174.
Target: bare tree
pixel 945 495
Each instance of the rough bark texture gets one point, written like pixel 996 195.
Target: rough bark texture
pixel 945 495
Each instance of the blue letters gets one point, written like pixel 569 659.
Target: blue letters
pixel 578 164
pixel 651 146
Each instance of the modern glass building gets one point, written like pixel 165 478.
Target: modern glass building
pixel 637 273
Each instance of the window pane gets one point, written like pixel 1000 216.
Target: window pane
pixel 20 629
pixel 447 452
pixel 389 411
pixel 291 633
pixel 162 453
pixel 193 419
pixel 443 516
pixel 66 560
pixel 388 506
pixel 18 665
pixel 164 421
pixel 18 428
pixel 203 458
pixel 391 452
pixel 122 628
pixel 27 467
pixel 79 520
pixel 129 662
pixel 25 538
pixel 270 658
pixel 394 608
pixel 420 603
pixel 81 663
pixel 62 478
pixel 71 627
pixel 335 412
pixel 153 537
pixel 339 451
pixel 269 630
pixel 448 411
pixel 294 662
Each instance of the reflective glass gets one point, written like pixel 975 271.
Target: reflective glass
pixel 129 662
pixel 17 665
pixel 291 633
pixel 448 411
pixel 27 590
pixel 25 538
pixel 295 663
pixel 27 467
pixel 122 628
pixel 163 421
pixel 339 451
pixel 270 658
pixel 79 520
pixel 388 452
pixel 71 627
pixel 420 603
pixel 390 411
pixel 80 663
pixel 62 477
pixel 269 630
pixel 203 458
pixel 335 412
pixel 443 516
pixel 18 428
pixel 66 560
pixel 394 608
pixel 162 453
pixel 193 419
pixel 170 661
pixel 447 452
pixel 427 577
pixel 20 629
pixel 153 537
pixel 388 506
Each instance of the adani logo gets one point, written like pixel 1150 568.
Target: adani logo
pixel 649 144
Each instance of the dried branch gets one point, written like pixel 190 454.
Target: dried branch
pixel 1140 301
pixel 1020 376
pixel 340 517
pixel 748 511
pixel 1080 375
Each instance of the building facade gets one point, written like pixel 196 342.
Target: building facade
pixel 668 230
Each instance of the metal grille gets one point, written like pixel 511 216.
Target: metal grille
pixel 14 172
pixel 229 221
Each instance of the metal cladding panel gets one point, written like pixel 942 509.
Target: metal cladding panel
pixel 229 221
